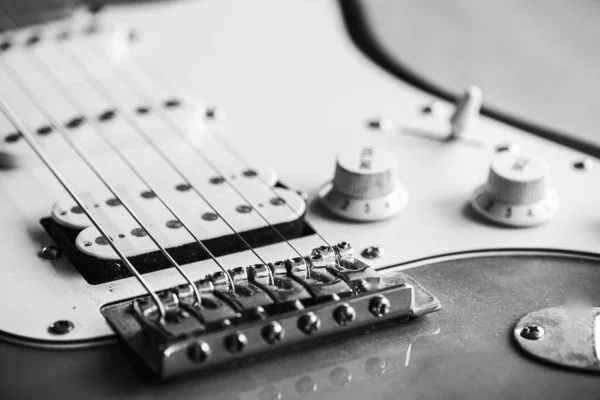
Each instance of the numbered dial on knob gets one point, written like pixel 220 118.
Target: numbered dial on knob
pixel 365 186
pixel 517 192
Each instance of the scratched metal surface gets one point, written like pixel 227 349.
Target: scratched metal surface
pixel 463 351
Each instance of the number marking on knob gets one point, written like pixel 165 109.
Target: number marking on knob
pixel 517 192
pixel 364 187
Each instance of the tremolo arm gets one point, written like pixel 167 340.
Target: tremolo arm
pixel 269 307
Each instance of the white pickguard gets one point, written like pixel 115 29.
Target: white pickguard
pixel 297 92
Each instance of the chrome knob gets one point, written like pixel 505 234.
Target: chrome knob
pixel 365 186
pixel 517 192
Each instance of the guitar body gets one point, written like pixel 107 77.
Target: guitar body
pixel 297 92
pixel 464 351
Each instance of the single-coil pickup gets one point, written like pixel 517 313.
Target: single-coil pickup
pixel 188 218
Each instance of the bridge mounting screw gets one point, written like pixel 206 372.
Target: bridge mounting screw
pixel 379 306
pixel 532 332
pixel 51 252
pixel 273 333
pixel 61 327
pixel 372 252
pixel 344 314
pixel 309 323
pixel 236 342
pixel 199 352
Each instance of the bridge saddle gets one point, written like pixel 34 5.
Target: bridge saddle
pixel 260 308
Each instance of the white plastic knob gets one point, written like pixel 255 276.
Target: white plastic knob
pixel 517 192
pixel 466 113
pixel 365 186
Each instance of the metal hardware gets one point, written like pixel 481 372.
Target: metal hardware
pixel 565 336
pixel 199 352
pixel 61 327
pixel 372 252
pixel 433 108
pixel 298 267
pixel 344 314
pixel 510 147
pixel 345 251
pixel 327 253
pixel 236 342
pixel 273 305
pixel 532 332
pixel 584 164
pixel 51 252
pixel 309 323
pixel 216 113
pixel 381 123
pixel 379 306
pixel 273 333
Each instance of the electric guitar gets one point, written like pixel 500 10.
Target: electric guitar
pixel 227 199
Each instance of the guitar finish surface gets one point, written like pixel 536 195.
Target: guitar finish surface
pixel 466 350
pixel 297 92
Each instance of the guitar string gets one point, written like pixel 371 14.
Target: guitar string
pixel 181 134
pixel 172 262
pixel 143 180
pixel 29 93
pixel 156 77
pixel 229 278
pixel 60 86
pixel 47 72
pixel 103 92
pixel 29 138
pixel 9 70
pixel 24 131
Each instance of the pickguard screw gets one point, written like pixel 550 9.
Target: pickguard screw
pixel 340 376
pixel 273 333
pixel 51 252
pixel 344 314
pixel 381 123
pixel 432 108
pixel 379 306
pixel 532 332
pixel 216 113
pixel 61 327
pixel 372 252
pixel 509 147
pixel 236 342
pixel 199 352
pixel 309 323
pixel 585 164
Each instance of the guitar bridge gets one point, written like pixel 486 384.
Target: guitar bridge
pixel 263 308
